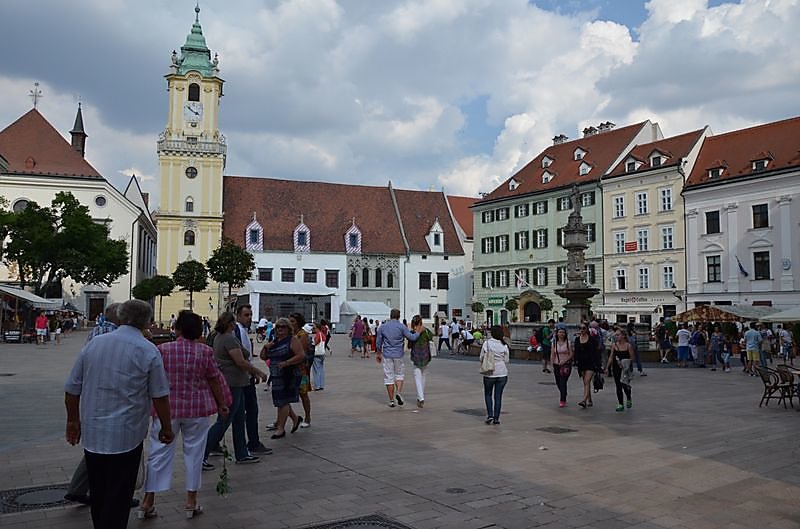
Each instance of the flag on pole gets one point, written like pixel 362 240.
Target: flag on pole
pixel 741 267
pixel 520 281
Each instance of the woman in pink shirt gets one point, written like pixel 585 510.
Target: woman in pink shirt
pixel 196 392
pixel 561 354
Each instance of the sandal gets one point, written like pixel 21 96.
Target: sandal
pixel 192 512
pixel 143 514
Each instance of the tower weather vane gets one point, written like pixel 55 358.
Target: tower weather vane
pixel 35 94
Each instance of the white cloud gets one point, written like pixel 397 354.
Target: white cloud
pixel 371 91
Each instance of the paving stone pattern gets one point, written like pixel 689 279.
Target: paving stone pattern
pixel 694 452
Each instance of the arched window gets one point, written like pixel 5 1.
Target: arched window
pixel 188 238
pixel 194 92
pixel 378 278
pixel 20 205
pixel 352 279
pixel 390 280
pixel 365 277
pixel 189 204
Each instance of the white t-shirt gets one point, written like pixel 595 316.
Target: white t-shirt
pixel 683 337
pixel 786 337
pixel 501 356
pixel 467 335
pixel 455 328
pixel 444 330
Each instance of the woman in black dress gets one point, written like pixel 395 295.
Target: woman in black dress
pixel 587 358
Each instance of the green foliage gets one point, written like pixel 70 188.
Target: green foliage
pixel 162 286
pixel 477 307
pixel 231 264
pixel 512 305
pixel 545 305
pixel 144 290
pixel 191 276
pixel 51 243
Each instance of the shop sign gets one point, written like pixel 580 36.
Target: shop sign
pixel 495 301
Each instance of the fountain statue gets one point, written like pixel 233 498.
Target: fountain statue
pixel 576 291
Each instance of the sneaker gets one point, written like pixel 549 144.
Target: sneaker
pixel 664 361
pixel 391 404
pixel 495 421
pixel 489 420
pixel 420 403
pixel 629 403
pixel 261 449
pixel 642 373
pixel 248 460
pixel 620 407
pixel 217 452
pixel 562 404
pixel 272 426
pixel 713 369
pixel 304 424
pixel 399 399
pixel 207 466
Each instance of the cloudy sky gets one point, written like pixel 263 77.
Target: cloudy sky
pixel 426 93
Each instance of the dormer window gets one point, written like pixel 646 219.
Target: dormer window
pixel 352 239
pixel 546 177
pixel 655 161
pixel 254 236
pixel 435 237
pixel 512 184
pixel 759 165
pixel 584 169
pixel 579 154
pixel 546 161
pixel 302 237
pixel 714 173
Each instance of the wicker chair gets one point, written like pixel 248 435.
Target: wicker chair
pixel 773 388
pixel 788 383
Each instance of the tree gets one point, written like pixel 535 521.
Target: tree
pixel 162 286
pixel 51 243
pixel 190 276
pixel 231 264
pixel 154 286
pixel 511 306
pixel 477 307
pixel 546 305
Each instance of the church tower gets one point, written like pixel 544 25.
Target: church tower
pixel 191 159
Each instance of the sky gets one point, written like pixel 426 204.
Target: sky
pixel 428 94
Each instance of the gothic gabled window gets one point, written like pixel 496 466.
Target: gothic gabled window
pixel 302 238
pixel 352 239
pixel 435 237
pixel 194 92
pixel 254 236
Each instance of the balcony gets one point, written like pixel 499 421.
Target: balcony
pixel 197 147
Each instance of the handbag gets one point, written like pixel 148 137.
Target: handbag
pixel 598 381
pixel 487 363
pixel 566 369
pixel 319 349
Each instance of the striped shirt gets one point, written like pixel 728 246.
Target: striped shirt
pixel 189 366
pixel 116 375
pixel 104 328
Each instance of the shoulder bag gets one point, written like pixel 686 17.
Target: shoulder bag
pixel 487 363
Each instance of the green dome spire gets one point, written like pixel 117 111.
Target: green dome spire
pixel 195 55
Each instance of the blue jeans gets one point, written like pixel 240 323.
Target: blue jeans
pixel 764 357
pixel 251 415
pixel 496 385
pixel 318 373
pixel 236 417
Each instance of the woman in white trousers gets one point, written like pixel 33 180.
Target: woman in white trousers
pixel 196 392
pixel 420 354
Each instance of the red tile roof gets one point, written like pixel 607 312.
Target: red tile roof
pixel 735 152
pixel 31 145
pixel 674 148
pixel 328 210
pixel 460 206
pixel 601 149
pixel 418 211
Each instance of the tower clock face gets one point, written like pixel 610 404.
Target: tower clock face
pixel 193 111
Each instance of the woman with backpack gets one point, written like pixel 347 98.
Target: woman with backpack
pixel 561 353
pixel 420 354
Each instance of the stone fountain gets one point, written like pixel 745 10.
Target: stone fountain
pixel 576 291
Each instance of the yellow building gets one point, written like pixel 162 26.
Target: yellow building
pixel 191 157
pixel 643 221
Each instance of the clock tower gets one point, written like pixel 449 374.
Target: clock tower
pixel 191 159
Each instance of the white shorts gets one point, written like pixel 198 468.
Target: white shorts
pixel 41 332
pixel 393 370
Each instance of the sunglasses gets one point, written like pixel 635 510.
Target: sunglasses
pixel 281 326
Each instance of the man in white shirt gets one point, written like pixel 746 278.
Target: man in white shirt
pixel 786 342
pixel 683 336
pixel 244 317
pixel 444 337
pixel 455 335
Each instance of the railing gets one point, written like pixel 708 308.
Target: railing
pixel 205 147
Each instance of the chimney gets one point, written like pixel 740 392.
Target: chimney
pixel 559 139
pixel 78 134
pixel 589 131
pixel 146 198
pixel 605 127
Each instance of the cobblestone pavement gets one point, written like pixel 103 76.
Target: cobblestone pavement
pixel 694 452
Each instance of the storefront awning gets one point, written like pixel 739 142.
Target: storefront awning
pixel 29 297
pixel 293 289
pixel 624 308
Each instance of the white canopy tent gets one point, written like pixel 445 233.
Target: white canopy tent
pixel 373 310
pixel 29 297
pixel 790 315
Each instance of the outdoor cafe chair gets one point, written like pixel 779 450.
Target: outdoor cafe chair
pixel 787 378
pixel 774 389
